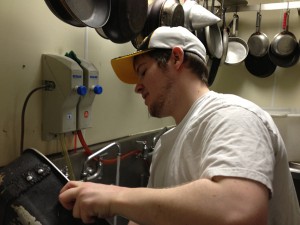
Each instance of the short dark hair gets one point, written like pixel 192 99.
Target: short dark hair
pixel 193 61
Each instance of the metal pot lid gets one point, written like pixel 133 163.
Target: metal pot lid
pixel 93 13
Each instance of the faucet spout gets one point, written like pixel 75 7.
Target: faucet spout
pixel 157 136
pixel 85 170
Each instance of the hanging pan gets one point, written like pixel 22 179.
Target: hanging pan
pixel 257 61
pixel 141 36
pixel 126 21
pixel 62 13
pixel 214 43
pixel 101 32
pixel 258 42
pixel 224 36
pixel 164 13
pixel 161 13
pixel 284 50
pixel 92 13
pixel 237 47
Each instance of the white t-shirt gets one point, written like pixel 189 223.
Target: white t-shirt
pixel 225 135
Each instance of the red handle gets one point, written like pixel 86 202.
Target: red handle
pixel 284 21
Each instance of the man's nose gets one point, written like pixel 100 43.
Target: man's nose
pixel 139 87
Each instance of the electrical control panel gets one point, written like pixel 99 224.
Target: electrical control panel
pixel 64 77
pixel 90 81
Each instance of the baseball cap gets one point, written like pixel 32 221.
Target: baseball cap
pixel 163 38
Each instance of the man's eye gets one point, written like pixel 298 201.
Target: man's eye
pixel 142 73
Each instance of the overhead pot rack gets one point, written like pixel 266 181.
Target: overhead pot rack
pixel 242 6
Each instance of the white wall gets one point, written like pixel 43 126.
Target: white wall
pixel 29 29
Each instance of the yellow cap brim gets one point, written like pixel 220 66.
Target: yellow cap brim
pixel 123 67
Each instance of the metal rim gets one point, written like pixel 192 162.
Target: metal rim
pixel 237 50
pixel 92 13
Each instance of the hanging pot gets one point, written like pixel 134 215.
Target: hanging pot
pixel 164 13
pixel 237 47
pixel 214 41
pixel 284 49
pixel 213 67
pixel 101 32
pixel 224 36
pixel 284 42
pixel 161 13
pixel 258 42
pixel 258 61
pixel 92 13
pixel 284 61
pixel 126 21
pixel 260 66
pixel 62 13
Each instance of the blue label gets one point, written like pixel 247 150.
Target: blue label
pixel 76 76
pixel 93 76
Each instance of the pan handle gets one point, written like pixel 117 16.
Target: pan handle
pixel 285 22
pixel 235 25
pixel 258 22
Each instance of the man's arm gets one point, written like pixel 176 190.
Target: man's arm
pixel 223 201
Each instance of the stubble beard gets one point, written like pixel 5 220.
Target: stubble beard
pixel 161 107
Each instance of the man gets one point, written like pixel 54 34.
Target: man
pixel 223 164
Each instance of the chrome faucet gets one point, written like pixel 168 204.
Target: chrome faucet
pixel 157 136
pixel 148 150
pixel 87 173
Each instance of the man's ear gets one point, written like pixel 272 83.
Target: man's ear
pixel 177 56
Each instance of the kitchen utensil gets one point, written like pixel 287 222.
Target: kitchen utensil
pixel 196 16
pixel 285 42
pixel 161 13
pixel 92 13
pixel 214 41
pixel 284 49
pixel 29 189
pixel 62 13
pixel 224 36
pixel 260 66
pixel 126 21
pixel 286 61
pixel 237 47
pixel 101 32
pixel 165 13
pixel 258 61
pixel 213 67
pixel 258 42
